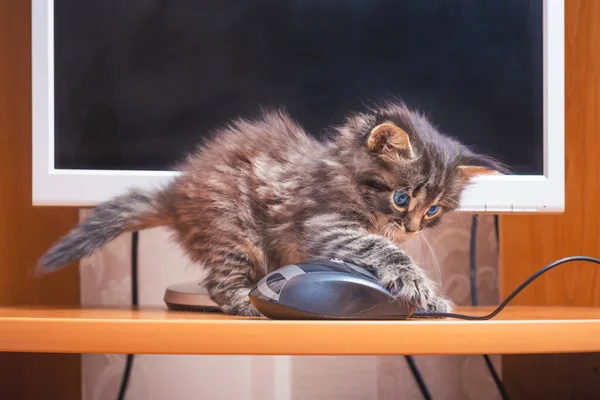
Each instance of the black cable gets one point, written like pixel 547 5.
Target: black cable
pixel 135 238
pixel 134 303
pixel 125 378
pixel 497 380
pixel 428 314
pixel 473 260
pixel 497 229
pixel 475 302
pixel 415 371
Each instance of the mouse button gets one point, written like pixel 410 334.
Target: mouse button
pixel 335 265
pixel 362 271
pixel 270 286
pixel 320 266
pixel 275 281
pixel 350 268
pixel 333 294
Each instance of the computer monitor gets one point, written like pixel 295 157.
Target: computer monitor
pixel 123 90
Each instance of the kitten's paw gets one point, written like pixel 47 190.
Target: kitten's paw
pixel 439 304
pixel 236 302
pixel 242 310
pixel 248 311
pixel 411 286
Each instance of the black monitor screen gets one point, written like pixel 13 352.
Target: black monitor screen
pixel 138 84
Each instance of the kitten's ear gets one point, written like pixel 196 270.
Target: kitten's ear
pixel 466 172
pixel 387 137
pixel 476 164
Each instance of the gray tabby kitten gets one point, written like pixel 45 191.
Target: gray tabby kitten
pixel 262 194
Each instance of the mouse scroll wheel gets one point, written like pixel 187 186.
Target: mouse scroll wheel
pixel 275 282
pixel 355 269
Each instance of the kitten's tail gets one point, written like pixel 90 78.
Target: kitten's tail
pixel 132 211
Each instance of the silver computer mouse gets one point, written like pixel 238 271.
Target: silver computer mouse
pixel 325 289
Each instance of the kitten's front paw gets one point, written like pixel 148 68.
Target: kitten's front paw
pixel 439 304
pixel 411 286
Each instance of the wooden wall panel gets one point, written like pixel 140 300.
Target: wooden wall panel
pixel 25 231
pixel 530 242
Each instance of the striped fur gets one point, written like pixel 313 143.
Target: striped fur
pixel 135 210
pixel 263 193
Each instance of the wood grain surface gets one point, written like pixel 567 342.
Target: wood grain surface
pixel 527 243
pixel 25 231
pixel 516 330
pixel 530 242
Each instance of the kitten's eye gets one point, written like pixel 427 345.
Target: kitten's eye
pixel 378 186
pixel 433 210
pixel 401 198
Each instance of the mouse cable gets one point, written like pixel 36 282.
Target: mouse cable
pixel 418 377
pixel 433 314
pixel 474 297
pixel 134 303
pixel 473 260
pixel 497 229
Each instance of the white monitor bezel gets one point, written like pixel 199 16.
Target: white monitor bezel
pixel 496 194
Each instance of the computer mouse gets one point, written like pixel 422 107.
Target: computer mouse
pixel 325 289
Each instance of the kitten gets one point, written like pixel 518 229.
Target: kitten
pixel 262 194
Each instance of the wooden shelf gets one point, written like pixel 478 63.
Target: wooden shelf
pixel 148 331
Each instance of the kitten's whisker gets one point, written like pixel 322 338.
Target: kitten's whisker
pixel 457 204
pixel 372 219
pixel 436 262
pixel 386 231
pixel 418 251
pixel 459 213
pixel 389 232
pixel 460 217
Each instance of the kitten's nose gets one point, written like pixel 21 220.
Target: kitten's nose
pixel 411 227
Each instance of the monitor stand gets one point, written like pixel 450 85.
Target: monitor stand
pixel 189 296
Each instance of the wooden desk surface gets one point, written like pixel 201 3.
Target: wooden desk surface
pixel 515 330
